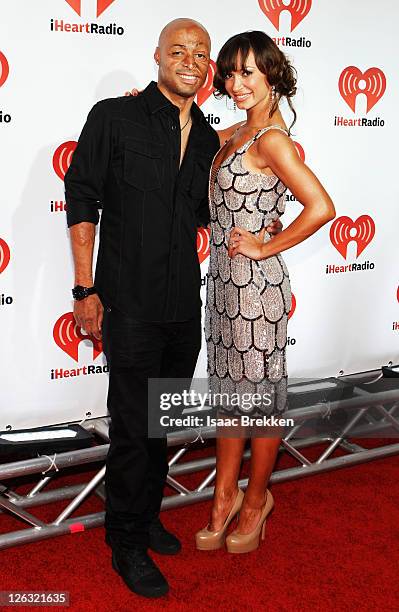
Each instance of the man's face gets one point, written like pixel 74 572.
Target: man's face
pixel 183 58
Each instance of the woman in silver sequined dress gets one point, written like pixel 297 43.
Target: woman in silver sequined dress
pixel 248 290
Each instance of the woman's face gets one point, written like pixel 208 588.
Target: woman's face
pixel 247 85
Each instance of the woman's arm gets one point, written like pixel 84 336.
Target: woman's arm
pixel 278 152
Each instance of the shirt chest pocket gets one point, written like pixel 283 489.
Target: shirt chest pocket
pixel 143 165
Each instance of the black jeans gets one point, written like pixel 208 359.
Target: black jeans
pixel 136 466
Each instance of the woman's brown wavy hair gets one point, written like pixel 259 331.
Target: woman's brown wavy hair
pixel 269 59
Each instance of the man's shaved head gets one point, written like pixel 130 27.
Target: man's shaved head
pixel 182 55
pixel 178 24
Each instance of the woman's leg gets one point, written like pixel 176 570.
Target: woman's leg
pixel 228 461
pixel 263 457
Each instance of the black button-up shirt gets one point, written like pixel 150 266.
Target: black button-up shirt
pixel 127 163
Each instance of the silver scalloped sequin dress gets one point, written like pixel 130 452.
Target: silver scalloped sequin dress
pixel 247 301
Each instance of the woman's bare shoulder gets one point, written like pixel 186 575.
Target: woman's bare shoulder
pixel 275 143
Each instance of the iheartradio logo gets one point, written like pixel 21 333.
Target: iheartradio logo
pixel 203 243
pixel 62 158
pixel 298 10
pixel 4 69
pixel 343 230
pixel 300 150
pixel 4 255
pixel 102 6
pixel 67 335
pixel 353 82
pixel 293 306
pixel 395 324
pixel 207 89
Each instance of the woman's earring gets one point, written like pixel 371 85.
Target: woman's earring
pixel 272 97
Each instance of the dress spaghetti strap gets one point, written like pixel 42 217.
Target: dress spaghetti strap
pixel 260 133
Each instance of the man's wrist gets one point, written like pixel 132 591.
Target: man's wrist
pixel 85 281
pixel 80 292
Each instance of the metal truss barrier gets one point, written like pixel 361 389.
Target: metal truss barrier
pixel 372 414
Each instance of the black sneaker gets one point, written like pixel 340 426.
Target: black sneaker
pixel 162 541
pixel 139 572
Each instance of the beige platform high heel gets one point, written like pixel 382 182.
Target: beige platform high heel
pixel 212 540
pixel 242 543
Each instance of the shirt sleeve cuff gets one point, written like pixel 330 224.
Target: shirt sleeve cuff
pixel 78 212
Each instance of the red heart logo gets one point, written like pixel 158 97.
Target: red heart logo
pixel 67 335
pixel 373 87
pixel 62 158
pixel 4 255
pixel 4 69
pixel 273 8
pixel 207 89
pixel 76 5
pixel 102 6
pixel 293 306
pixel 300 150
pixel 340 233
pixel 203 243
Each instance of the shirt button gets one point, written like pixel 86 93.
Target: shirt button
pixel 175 247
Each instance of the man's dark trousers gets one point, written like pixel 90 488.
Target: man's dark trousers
pixel 137 466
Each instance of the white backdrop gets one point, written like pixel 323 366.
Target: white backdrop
pixel 55 64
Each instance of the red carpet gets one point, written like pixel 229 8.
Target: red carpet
pixel 332 543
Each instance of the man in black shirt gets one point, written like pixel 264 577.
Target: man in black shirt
pixel 145 161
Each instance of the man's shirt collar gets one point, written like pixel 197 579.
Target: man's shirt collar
pixel 156 101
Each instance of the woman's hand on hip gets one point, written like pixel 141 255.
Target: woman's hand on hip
pixel 244 243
